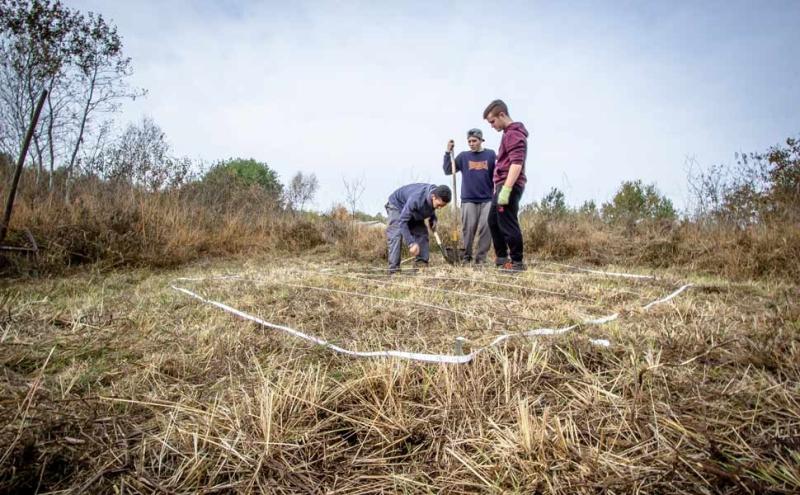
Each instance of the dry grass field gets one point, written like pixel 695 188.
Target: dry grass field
pixel 115 382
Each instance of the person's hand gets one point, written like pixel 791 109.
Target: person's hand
pixel 433 224
pixel 504 196
pixel 450 145
pixel 414 249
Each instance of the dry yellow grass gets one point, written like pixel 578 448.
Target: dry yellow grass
pixel 115 382
pixel 114 225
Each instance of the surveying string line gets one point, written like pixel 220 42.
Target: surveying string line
pixel 489 319
pixel 515 275
pixel 501 284
pixel 601 272
pixel 431 358
pixel 436 289
pixel 502 272
pixel 667 298
pixel 520 276
pixel 507 318
pixel 505 273
pixel 325 289
pixel 479 281
pixel 427 357
pixel 412 356
pixel 489 282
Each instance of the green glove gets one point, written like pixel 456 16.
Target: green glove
pixel 504 196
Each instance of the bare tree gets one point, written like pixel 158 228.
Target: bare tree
pixel 78 58
pixel 301 190
pixel 353 190
pixel 141 156
pixel 102 73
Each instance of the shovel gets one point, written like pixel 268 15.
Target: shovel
pixel 448 259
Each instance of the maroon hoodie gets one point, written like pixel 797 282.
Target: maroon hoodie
pixel 513 149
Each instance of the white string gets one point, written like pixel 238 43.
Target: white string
pixel 437 289
pixel 601 272
pixel 423 357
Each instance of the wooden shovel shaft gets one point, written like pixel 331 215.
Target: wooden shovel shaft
pixel 453 170
pixel 12 192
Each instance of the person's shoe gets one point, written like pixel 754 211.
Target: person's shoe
pixel 466 260
pixel 499 262
pixel 518 266
pixel 420 264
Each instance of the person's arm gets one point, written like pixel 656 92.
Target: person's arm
pixel 513 174
pixel 446 166
pixel 516 153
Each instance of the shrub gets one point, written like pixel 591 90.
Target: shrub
pixel 761 187
pixel 239 173
pixel 634 202
pixel 553 204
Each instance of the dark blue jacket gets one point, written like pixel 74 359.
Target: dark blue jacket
pixel 476 169
pixel 414 204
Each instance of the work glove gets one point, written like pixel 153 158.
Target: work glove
pixel 432 223
pixel 504 196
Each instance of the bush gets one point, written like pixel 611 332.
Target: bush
pixel 141 156
pixel 238 173
pixel 553 205
pixel 761 187
pixel 634 202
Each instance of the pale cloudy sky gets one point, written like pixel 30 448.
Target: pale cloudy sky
pixel 610 91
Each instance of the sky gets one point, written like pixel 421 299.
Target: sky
pixel 371 92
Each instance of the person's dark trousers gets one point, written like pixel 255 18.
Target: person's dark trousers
pixel 504 225
pixel 394 238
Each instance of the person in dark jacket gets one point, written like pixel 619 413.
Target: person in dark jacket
pixel 509 184
pixel 407 209
pixel 476 167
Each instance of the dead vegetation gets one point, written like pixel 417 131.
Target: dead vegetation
pixel 110 225
pixel 116 382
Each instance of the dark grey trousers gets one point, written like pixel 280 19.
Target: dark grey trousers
pixel 394 238
pixel 475 220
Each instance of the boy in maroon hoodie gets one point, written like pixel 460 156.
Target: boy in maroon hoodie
pixel 509 183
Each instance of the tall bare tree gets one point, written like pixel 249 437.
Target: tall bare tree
pixel 301 190
pixel 78 58
pixel 353 190
pixel 141 156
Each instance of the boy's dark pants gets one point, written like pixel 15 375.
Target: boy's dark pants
pixel 394 238
pixel 504 225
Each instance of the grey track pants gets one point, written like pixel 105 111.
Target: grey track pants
pixel 394 238
pixel 475 220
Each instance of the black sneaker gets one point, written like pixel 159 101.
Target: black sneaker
pixel 420 264
pixel 518 266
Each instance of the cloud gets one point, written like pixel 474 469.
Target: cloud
pixel 358 90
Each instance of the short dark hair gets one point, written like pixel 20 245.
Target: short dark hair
pixel 443 193
pixel 494 108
